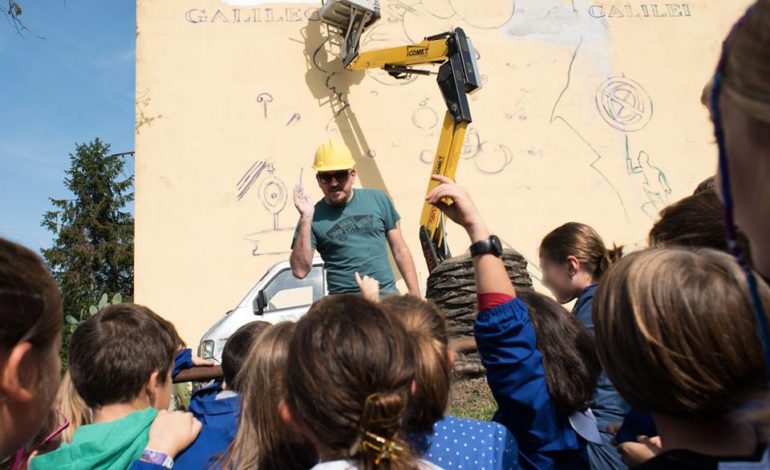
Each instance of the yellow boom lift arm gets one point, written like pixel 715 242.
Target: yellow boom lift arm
pixel 457 77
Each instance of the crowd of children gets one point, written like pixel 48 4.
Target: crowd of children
pixel 662 363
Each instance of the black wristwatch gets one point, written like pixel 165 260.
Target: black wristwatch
pixel 492 246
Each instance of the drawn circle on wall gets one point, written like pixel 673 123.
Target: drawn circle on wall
pixel 472 144
pixel 624 104
pixel 438 8
pixel 273 194
pixel 418 23
pixel 427 156
pixel 493 158
pixel 424 118
pixel 495 13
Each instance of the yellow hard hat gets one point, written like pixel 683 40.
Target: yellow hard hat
pixel 333 155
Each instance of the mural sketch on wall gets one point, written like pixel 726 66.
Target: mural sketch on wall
pixel 274 195
pixel 424 117
pixel 264 99
pixel 443 15
pixel 488 158
pixel 654 181
pixel 296 117
pixel 626 107
pixel 251 175
pixel 624 104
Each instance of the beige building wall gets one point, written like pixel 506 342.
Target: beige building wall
pixel 590 112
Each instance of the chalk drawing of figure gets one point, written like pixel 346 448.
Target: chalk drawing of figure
pixel 654 183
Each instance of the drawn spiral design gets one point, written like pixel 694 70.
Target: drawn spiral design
pixel 273 194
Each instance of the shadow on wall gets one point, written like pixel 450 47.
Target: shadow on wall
pixel 330 84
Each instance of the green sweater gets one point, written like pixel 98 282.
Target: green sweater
pixel 102 446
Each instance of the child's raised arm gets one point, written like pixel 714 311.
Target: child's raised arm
pixel 508 348
pixel 491 276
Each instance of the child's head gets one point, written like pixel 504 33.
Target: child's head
pixel 263 439
pixel 572 258
pixel 744 115
pixel 236 351
pixel 425 323
pixel 709 184
pixel 352 370
pixel 30 339
pixel 676 334
pixel 569 355
pixel 695 221
pixel 123 355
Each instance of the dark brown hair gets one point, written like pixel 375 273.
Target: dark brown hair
pixel 30 306
pixel 695 221
pixel 114 353
pixel 569 355
pixel 263 440
pixel 236 350
pixel 706 185
pixel 425 323
pixel 351 372
pixel 582 242
pixel 676 334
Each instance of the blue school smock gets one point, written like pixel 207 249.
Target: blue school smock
pixel 607 404
pixel 219 417
pixel 508 348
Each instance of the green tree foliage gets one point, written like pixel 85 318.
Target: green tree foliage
pixel 93 249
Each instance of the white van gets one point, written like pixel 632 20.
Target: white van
pixel 277 297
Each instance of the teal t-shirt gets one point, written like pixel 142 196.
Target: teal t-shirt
pixel 102 446
pixel 352 238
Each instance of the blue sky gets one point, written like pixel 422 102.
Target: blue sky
pixel 72 86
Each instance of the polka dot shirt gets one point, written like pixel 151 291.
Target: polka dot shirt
pixel 458 443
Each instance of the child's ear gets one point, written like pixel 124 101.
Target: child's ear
pixel 573 266
pixel 16 380
pixel 451 358
pixel 151 388
pixel 285 413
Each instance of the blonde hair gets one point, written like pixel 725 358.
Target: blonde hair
pixel 676 334
pixel 426 325
pixel 71 405
pixel 263 440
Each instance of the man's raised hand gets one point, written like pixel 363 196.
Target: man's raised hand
pixel 302 202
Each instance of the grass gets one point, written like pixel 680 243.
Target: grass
pixel 471 398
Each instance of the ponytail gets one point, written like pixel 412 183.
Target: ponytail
pixel 352 369
pixel 378 439
pixel 582 242
pixel 610 257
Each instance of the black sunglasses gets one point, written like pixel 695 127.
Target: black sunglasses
pixel 340 176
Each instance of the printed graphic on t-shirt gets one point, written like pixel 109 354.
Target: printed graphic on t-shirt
pixel 349 226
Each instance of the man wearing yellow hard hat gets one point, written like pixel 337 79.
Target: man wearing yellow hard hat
pixel 349 228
